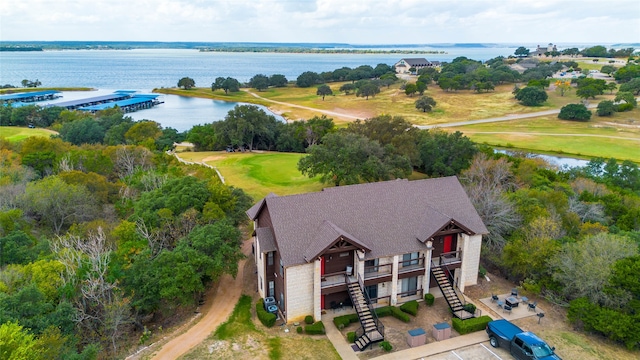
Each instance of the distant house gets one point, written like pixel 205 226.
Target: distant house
pixel 540 51
pixel 372 244
pixel 404 65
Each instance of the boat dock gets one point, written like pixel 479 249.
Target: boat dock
pixel 133 103
pixel 28 97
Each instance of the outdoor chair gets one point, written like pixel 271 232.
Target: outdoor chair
pixel 532 306
pixel 514 292
pixel 334 305
pixel 506 308
pixel 494 298
pixel 500 303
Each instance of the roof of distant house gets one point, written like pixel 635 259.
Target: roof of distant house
pixel 387 218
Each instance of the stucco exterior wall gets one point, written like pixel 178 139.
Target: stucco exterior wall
pixel 470 260
pixel 300 291
pixel 260 258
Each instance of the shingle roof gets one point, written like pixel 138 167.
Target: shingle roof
pixel 417 61
pixel 326 235
pixel 267 242
pixel 391 217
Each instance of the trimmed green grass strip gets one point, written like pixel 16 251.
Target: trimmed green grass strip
pixel 239 322
pixel 275 348
pixel 15 134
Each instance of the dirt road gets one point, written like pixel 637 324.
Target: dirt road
pixel 215 311
pixel 326 112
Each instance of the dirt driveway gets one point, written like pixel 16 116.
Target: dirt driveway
pixel 216 311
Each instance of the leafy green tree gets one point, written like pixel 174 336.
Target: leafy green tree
pixel 348 158
pixel 444 154
pixel 203 137
pixel 226 84
pixel 17 248
pixel 368 89
pixel 421 87
pixel 186 83
pixel 632 86
pixel 531 96
pixel 521 52
pixel 278 80
pixel 627 97
pixel 217 84
pixel 58 204
pixel 595 51
pixel 608 69
pixel 324 90
pixel 83 131
pixel 425 103
pixel 169 137
pixel 577 112
pixel 308 79
pixel 347 88
pixel 410 89
pixel 627 72
pixel 611 87
pixel 98 185
pixel 389 78
pixel 606 108
pixel 17 343
pixel 247 126
pixel 587 92
pixel 42 162
pixel 143 132
pixel 259 82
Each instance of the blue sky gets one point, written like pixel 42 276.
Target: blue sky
pixel 345 21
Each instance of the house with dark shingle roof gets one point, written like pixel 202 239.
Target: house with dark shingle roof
pixel 404 65
pixel 388 236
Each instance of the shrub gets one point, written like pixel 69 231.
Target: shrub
pixel 574 112
pixel 606 108
pixel 299 329
pixel 531 96
pixel 266 318
pixel 470 308
pixel 624 107
pixel 393 311
pixel 383 311
pixel 429 299
pixel 481 271
pixel 351 336
pixel 308 319
pixel 386 346
pixel 315 329
pixel 470 325
pixel 410 307
pixel 345 320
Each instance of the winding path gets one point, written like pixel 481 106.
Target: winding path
pixel 326 112
pixel 215 311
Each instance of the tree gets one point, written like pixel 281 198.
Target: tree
pixel 324 90
pixel 308 79
pixel 143 132
pixel 203 137
pixel 259 82
pixel 606 108
pixel 247 126
pixel 83 131
pixel 588 92
pixel 577 112
pixel 17 343
pixel 627 97
pixel 583 268
pixel 347 88
pixel 230 84
pixel 425 103
pixel 410 89
pixel 611 87
pixel 632 86
pixel 348 158
pixel 186 83
pixel 521 52
pixel 278 80
pixel 421 87
pixel 57 203
pixel 316 128
pixel 608 69
pixel 368 89
pixel 444 154
pixel 531 96
pixel 563 86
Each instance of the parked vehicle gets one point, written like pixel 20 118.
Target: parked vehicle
pixel 522 345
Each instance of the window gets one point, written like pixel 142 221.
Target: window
pixel 270 258
pixel 409 286
pixel 372 292
pixel 410 259
pixel 281 268
pixel 271 288
pixel 260 282
pixel 371 266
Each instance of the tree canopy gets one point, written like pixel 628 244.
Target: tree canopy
pixel 186 83
pixel 531 96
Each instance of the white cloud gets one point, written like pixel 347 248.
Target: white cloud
pixel 351 21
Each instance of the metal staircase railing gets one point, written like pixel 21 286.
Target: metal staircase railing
pixel 365 334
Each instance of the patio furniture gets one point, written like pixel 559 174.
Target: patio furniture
pixel 416 337
pixel 512 301
pixel 500 303
pixel 524 299
pixel 506 308
pixel 494 298
pixel 540 315
pixel 441 331
pixel 532 306
pixel 514 292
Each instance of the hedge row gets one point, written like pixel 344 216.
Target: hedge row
pixel 345 320
pixel 393 311
pixel 315 329
pixel 410 307
pixel 470 325
pixel 266 318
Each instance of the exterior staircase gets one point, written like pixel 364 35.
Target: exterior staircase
pixel 455 301
pixel 371 330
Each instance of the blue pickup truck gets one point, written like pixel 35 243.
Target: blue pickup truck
pixel 522 345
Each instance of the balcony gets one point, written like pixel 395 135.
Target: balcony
pixel 334 279
pixel 411 265
pixel 449 258
pixel 376 271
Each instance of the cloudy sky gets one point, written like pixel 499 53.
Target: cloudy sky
pixel 345 21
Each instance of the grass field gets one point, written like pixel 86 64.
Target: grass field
pixel 617 136
pixel 13 133
pixel 259 173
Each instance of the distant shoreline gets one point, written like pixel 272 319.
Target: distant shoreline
pixel 320 51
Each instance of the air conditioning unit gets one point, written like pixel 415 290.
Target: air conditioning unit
pixel 268 302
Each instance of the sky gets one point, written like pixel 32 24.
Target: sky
pixel 322 21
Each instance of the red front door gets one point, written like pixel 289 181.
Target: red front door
pixel 447 243
pixel 322 301
pixel 321 265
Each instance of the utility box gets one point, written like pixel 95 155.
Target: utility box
pixel 441 331
pixel 416 337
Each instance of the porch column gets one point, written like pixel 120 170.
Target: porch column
pixel 470 259
pixel 394 281
pixel 317 285
pixel 360 264
pixel 427 268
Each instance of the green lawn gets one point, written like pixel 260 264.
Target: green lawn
pixel 14 133
pixel 259 173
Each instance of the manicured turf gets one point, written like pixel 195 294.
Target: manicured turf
pixel 13 133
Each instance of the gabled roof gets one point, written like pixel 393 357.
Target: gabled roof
pixel 267 241
pixel 386 218
pixel 416 61
pixel 255 209
pixel 326 236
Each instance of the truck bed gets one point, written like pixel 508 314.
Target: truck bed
pixel 503 331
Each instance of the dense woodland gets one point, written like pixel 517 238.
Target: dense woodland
pixel 102 233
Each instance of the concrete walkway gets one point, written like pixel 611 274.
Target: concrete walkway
pixel 437 347
pixel 337 340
